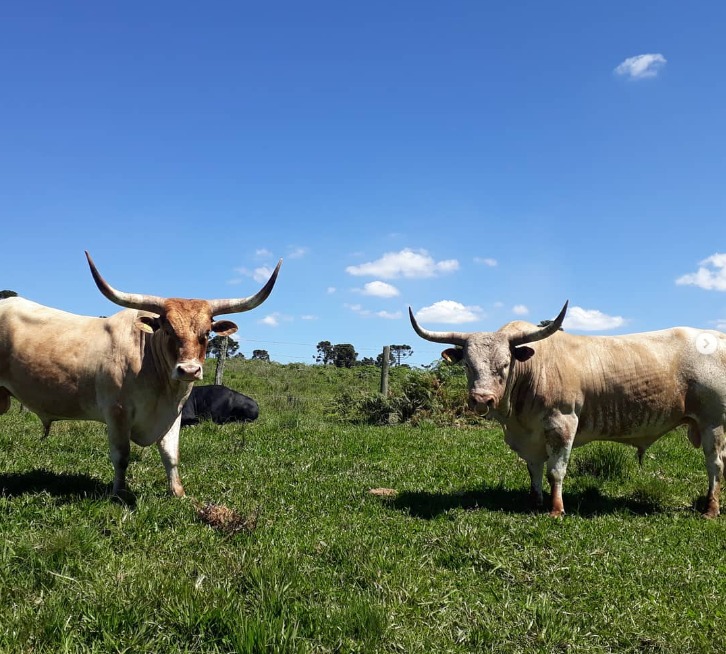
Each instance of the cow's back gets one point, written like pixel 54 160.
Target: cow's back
pixel 56 363
pixel 631 386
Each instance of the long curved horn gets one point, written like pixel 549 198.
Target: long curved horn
pixel 539 334
pixel 453 338
pixel 151 303
pixel 220 307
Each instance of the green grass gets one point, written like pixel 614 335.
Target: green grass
pixel 455 562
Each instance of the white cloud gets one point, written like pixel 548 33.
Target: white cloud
pixel 262 274
pixel 380 289
pixel 263 252
pixel 357 308
pixel 308 317
pixel 486 261
pixel 413 264
pixel 641 66
pixel 720 324
pixel 710 275
pixel 297 252
pixel 388 315
pixel 520 310
pixel 273 320
pixel 450 312
pixel 330 290
pixel 591 320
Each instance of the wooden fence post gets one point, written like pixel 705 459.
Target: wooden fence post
pixel 219 372
pixel 384 369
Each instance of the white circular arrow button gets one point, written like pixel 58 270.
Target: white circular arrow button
pixel 706 343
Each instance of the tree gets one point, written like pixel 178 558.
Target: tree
pixel 216 343
pixel 379 359
pixel 260 355
pixel 399 353
pixel 368 361
pixel 6 293
pixel 344 355
pixel 325 352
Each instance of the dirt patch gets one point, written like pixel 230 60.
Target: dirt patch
pixel 225 519
pixel 383 492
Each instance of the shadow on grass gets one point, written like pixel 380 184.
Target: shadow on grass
pixel 588 503
pixel 60 485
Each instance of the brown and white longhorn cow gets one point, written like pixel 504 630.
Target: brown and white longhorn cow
pixel 569 390
pixel 132 371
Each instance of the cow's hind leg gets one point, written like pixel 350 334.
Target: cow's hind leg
pixel 536 470
pixel 713 442
pixel 559 437
pixel 169 451
pixel 4 400
pixel 119 442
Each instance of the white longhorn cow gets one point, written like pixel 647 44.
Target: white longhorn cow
pixel 569 390
pixel 132 371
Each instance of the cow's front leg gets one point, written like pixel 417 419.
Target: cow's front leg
pixel 559 436
pixel 169 450
pixel 714 449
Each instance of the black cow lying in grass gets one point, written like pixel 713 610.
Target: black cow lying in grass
pixel 219 404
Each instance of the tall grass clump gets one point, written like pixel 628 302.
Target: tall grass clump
pixel 604 461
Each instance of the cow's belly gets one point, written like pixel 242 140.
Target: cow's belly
pixel 637 435
pixel 620 418
pixel 51 403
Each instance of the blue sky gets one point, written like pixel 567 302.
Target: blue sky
pixel 481 162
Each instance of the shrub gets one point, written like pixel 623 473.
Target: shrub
pixel 437 395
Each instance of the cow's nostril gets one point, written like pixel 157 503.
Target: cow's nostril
pixel 481 402
pixel 189 370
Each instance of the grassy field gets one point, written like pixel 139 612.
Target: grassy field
pixel 455 562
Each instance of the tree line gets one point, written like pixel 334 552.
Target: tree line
pixel 340 355
pixel 343 355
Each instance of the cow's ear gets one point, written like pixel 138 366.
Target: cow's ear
pixel 452 355
pixel 224 327
pixel 523 353
pixel 147 324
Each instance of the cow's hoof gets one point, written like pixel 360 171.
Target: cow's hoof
pixel 557 513
pixel 124 496
pixel 713 508
pixel 177 491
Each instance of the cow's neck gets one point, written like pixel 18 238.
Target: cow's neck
pixel 519 374
pixel 161 369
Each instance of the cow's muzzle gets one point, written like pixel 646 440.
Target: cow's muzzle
pixel 188 371
pixel 481 403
